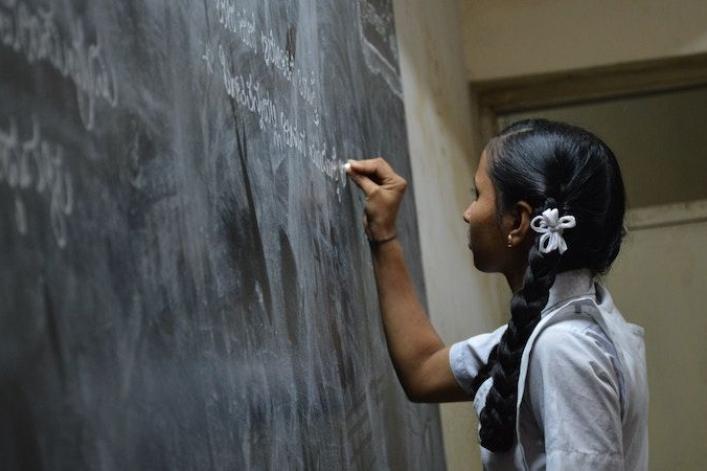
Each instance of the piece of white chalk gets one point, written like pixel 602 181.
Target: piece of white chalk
pixel 347 167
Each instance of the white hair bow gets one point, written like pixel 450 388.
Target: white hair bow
pixel 551 225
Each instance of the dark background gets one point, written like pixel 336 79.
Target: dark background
pixel 184 280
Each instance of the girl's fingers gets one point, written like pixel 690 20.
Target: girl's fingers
pixel 363 182
pixel 384 190
pixel 377 168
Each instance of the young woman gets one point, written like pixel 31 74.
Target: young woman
pixel 563 385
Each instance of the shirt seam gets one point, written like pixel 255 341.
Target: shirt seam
pixel 454 362
pixel 592 452
pixel 550 309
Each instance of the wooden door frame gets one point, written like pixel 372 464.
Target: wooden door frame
pixel 491 98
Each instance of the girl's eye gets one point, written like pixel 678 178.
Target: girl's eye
pixel 474 192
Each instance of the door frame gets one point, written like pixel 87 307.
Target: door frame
pixel 490 98
pixel 501 96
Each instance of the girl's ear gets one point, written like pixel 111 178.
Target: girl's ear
pixel 520 222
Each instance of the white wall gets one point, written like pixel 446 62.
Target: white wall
pixel 462 301
pixel 510 38
pixel 658 281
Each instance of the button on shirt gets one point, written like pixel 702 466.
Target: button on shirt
pixel 582 390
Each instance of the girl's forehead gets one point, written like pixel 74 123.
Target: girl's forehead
pixel 480 172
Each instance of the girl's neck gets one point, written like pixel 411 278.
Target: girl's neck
pixel 515 279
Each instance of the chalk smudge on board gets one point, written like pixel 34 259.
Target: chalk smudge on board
pixel 243 231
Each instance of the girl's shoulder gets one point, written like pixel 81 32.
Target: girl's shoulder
pixel 571 338
pixel 572 341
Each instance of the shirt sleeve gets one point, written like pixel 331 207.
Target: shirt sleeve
pixel 468 356
pixel 574 392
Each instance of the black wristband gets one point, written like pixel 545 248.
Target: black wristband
pixel 379 242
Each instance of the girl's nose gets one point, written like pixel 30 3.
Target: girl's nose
pixel 466 214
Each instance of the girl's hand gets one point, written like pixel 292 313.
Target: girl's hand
pixel 384 191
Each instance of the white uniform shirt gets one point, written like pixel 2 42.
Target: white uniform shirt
pixel 582 391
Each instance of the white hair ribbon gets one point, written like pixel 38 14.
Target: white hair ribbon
pixel 551 225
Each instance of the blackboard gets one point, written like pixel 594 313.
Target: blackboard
pixel 184 280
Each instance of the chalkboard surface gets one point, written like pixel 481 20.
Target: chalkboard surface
pixel 184 280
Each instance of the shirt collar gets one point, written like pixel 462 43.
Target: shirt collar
pixel 570 284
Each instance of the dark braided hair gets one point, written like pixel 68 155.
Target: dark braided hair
pixel 548 165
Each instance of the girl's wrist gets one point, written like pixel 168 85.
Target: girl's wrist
pixel 380 233
pixel 377 242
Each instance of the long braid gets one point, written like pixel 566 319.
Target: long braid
pixel 499 414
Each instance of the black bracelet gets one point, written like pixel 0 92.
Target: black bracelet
pixel 378 243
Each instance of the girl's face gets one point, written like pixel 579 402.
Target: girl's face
pixel 486 239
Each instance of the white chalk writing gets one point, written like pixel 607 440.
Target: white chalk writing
pixel 381 51
pixel 36 165
pixel 37 37
pixel 238 22
pixel 381 21
pixel 284 63
pixel 242 24
pixel 250 95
